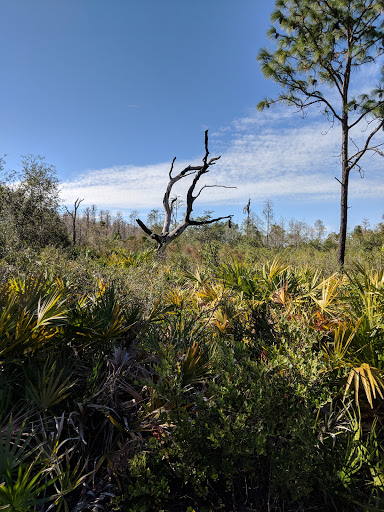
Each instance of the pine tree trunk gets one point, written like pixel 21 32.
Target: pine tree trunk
pixel 344 194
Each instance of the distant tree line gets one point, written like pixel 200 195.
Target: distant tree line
pixel 265 231
pixel 31 215
pixel 94 226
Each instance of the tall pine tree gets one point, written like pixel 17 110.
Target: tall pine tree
pixel 320 44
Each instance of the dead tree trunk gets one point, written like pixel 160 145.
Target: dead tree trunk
pixel 73 214
pixel 167 234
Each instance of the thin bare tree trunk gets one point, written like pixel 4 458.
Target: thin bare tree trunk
pixel 73 214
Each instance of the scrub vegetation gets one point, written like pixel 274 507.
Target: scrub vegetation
pixel 231 376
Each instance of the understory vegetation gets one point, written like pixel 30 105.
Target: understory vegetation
pixel 213 381
pixel 231 375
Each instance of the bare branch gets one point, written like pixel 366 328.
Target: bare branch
pixel 359 154
pixel 167 235
pixel 210 221
pixel 375 150
pixel 144 227
pixel 171 169
pixel 364 114
pixel 210 186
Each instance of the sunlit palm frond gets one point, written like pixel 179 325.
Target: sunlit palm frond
pixel 51 310
pixel 326 294
pixel 342 338
pixel 219 321
pixel 195 364
pixel 371 380
pixel 347 351
pixel 272 270
pixel 30 315
pixel 177 298
pixel 199 276
pixel 209 293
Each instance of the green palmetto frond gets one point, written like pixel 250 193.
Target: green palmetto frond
pixel 242 277
pixel 50 389
pixel 22 493
pixel 15 447
pixel 232 272
pixel 195 364
pixel 68 478
pixel 199 277
pixel 362 451
pixel 98 318
pixel 29 316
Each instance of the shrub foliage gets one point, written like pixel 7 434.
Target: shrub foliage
pixel 129 385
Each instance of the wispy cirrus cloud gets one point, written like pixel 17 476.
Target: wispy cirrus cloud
pixel 271 154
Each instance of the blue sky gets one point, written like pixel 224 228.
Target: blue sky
pixel 110 91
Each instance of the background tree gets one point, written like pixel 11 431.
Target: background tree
pixel 86 218
pixel 297 233
pixel 8 233
pixel 319 230
pixel 176 204
pixel 320 45
pixel 253 227
pixel 118 227
pixel 30 206
pixel 132 222
pixel 155 219
pixel 277 236
pixel 366 224
pixel 268 215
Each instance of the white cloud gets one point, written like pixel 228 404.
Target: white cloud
pixel 273 154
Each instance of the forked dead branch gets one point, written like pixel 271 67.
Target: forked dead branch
pixel 167 234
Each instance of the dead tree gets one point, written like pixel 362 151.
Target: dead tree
pixel 168 235
pixel 73 214
pixel 247 210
